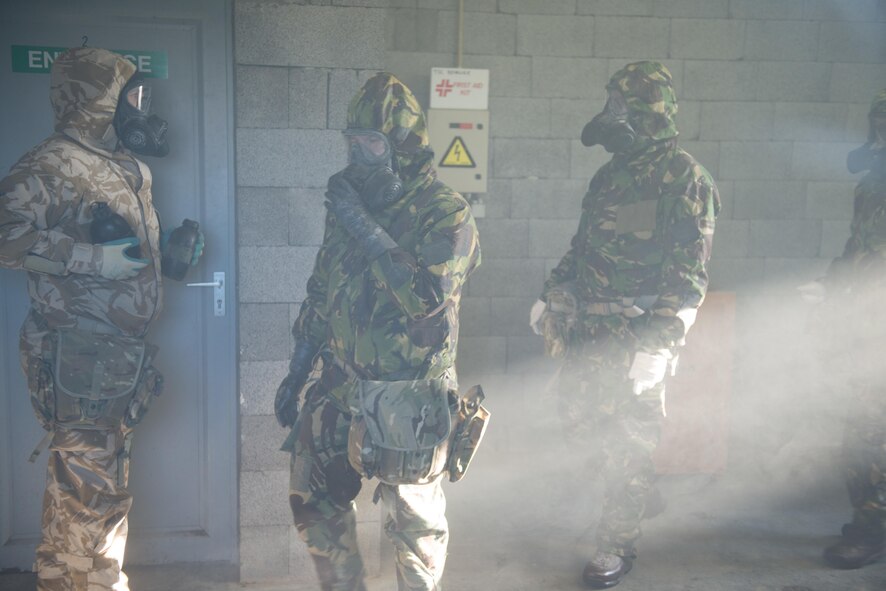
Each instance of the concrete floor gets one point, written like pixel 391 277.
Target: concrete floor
pixel 716 535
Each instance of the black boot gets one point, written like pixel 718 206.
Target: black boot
pixel 605 570
pixel 858 547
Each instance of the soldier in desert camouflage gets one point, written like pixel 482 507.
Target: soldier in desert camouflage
pixel 850 325
pixel 620 302
pixel 82 344
pixel 379 329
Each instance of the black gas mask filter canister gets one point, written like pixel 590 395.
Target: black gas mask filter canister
pixel 611 128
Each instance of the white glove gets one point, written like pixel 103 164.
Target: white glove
pixel 648 369
pixel 535 314
pixel 115 264
pixel 813 292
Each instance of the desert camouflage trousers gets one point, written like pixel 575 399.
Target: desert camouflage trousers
pixel 864 457
pixel 614 432
pixel 323 486
pixel 85 505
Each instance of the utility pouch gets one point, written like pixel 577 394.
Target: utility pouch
pixel 400 431
pixel 560 319
pixel 471 421
pixel 96 378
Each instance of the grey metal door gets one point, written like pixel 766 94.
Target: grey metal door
pixel 184 466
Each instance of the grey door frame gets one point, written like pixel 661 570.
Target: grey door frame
pixel 214 38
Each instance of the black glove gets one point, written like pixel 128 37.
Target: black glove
pixel 344 201
pixel 286 402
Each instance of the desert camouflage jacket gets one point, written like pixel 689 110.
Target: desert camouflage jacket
pixel 647 220
pixel 45 202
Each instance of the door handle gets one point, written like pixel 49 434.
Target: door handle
pixel 218 291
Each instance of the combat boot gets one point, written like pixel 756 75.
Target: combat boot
pixel 606 570
pixel 858 547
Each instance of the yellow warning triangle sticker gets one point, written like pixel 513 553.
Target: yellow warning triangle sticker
pixel 457 155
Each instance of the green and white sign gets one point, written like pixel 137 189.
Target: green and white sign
pixel 35 59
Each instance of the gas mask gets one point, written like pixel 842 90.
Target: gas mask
pixel 370 168
pixel 611 128
pixel 872 155
pixel 138 130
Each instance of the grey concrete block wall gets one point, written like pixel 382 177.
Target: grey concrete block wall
pixel 772 96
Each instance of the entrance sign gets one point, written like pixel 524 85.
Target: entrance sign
pixel 36 59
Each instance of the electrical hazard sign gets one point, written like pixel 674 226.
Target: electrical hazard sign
pixel 458 155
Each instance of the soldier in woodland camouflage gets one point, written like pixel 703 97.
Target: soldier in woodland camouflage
pixel 95 299
pixel 620 302
pixel 381 307
pixel 852 320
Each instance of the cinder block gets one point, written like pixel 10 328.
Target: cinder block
pixel 856 82
pixel 498 199
pixel 785 238
pixel 526 354
pixel 719 80
pixel 472 6
pixel 520 117
pixel 510 316
pixel 781 40
pixel 275 34
pixel 307 98
pixel 481 355
pixel 264 331
pixel 508 75
pixel 260 441
pixel 766 9
pixel 570 36
pixel 790 272
pixel 264 552
pixel 566 77
pixel 414 69
pixel 631 37
pixel 307 217
pixel 444 39
pixel 746 120
pixel 258 384
pixel 830 200
pixel 262 97
pixel 793 81
pixel 853 42
pixel 845 10
pixel 474 318
pixel 550 238
pixel 275 273
pixel 260 219
pixel 288 157
pixel 769 200
pixel 569 116
pixel 692 8
pixel 731 239
pixel 857 122
pixel 719 39
pixel 504 239
pixel 741 275
pixel 264 496
pixel 727 199
pixel 585 161
pixel 343 85
pixel 707 154
pixel 375 3
pixel 530 157
pixel 754 160
pixel 507 277
pixel 820 161
pixel 616 7
pixel 494 34
pixel 549 199
pixel 537 6
pixel 833 238
pixel 809 121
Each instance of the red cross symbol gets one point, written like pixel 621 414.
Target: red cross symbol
pixel 443 88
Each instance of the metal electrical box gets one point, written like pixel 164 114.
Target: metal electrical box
pixel 460 139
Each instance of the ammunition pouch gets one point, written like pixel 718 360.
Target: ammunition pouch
pixel 99 381
pixel 559 322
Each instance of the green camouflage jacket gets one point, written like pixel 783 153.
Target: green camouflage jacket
pixel 647 219
pixel 864 257
pixel 386 324
pixel 45 201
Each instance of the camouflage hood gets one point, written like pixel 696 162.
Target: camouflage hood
pixel 387 105
pixel 649 92
pixel 85 86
